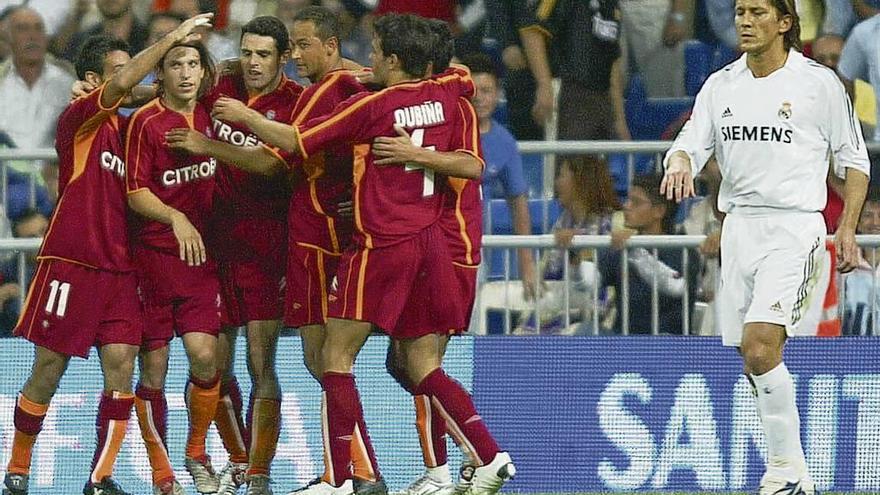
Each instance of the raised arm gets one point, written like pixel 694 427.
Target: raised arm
pixel 134 71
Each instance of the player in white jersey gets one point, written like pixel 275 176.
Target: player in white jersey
pixel 773 119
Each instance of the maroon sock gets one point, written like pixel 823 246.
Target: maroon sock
pixel 343 412
pixel 232 390
pixel 109 409
pixel 158 407
pixel 27 423
pixel 455 405
pixel 438 436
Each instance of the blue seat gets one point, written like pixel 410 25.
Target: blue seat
pixel 699 62
pixel 649 117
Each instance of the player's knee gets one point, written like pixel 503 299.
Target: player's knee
pixel 759 358
pixel 312 360
pixel 118 365
pixel 395 369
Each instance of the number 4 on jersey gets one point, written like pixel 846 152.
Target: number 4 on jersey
pixel 418 138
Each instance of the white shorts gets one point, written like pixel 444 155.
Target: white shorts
pixel 770 270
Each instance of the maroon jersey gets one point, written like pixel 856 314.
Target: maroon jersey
pixel 241 197
pixel 182 181
pixel 392 203
pixel 462 217
pixel 88 226
pixel 313 205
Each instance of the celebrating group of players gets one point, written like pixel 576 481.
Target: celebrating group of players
pixel 239 199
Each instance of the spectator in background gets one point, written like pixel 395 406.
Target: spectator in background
pixel 162 23
pixel 435 9
pixel 34 88
pixel 588 199
pixel 866 8
pixel 647 212
pixel 219 43
pixel 861 287
pixel 31 224
pixel 860 59
pixel 117 20
pixel 655 42
pixel 5 47
pixel 586 49
pixel 503 174
pixel 503 23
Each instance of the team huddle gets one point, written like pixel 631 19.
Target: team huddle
pixel 235 198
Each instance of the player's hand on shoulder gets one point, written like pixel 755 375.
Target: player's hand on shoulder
pixel 188 140
pixel 185 32
pixel 395 150
pixel 364 75
pixel 192 249
pixel 230 110
pixel 847 249
pixel 80 89
pixel 678 181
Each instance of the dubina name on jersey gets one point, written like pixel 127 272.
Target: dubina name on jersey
pixel 761 133
pixel 190 173
pixel 425 114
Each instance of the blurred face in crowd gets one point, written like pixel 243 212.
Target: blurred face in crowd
pixel 827 49
pixel 486 98
pixel 639 212
pixel 260 61
pixel 113 9
pixel 35 226
pixel 759 25
pixel 27 34
pixel 188 8
pixel 869 222
pixel 181 73
pixel 159 27
pixel 312 56
pixel 287 10
pixel 566 190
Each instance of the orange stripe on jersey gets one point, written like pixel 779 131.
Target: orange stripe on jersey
pixel 331 225
pixel 153 105
pixel 189 119
pixel 301 116
pixel 68 260
pixel 318 248
pixel 359 303
pixel 458 185
pixel 322 282
pixel 31 290
pixel 360 152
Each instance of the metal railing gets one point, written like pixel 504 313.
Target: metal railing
pixel 653 243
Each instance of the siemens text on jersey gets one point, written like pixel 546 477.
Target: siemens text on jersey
pixel 426 114
pixel 759 133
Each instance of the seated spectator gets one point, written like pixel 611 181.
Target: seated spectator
pixel 647 212
pixel 117 20
pixel 859 60
pixel 34 88
pixel 31 224
pixel 588 199
pixel 866 8
pixel 861 287
pixel 220 45
pixel 503 175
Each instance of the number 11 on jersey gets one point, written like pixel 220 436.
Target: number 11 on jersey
pixel 418 138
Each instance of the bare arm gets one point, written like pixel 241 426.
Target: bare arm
pixel 147 204
pixel 134 71
pixel 522 225
pixel 534 42
pixel 269 131
pixel 252 159
pixel 855 190
pixel 400 149
pixel 615 92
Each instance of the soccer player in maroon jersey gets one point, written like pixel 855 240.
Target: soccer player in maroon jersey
pixel 84 291
pixel 172 194
pixel 248 235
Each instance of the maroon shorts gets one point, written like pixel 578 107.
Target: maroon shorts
pixel 388 285
pixel 71 307
pixel 251 291
pixel 310 272
pixel 178 298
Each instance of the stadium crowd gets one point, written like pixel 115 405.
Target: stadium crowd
pixel 633 71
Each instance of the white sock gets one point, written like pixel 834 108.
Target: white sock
pixel 440 473
pixel 782 425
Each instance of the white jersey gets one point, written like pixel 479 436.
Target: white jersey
pixel 773 136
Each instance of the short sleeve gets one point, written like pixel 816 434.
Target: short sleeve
pixel 467 139
pixel 697 138
pixel 349 122
pixel 853 59
pixel 843 130
pixel 140 149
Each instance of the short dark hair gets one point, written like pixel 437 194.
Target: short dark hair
pixel 444 45
pixel 207 81
pixel 479 63
pixel 271 26
pixel 326 22
pixel 93 52
pixel 409 37
pixel 650 183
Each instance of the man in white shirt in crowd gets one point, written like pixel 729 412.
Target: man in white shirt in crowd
pixel 773 118
pixel 861 287
pixel 34 89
